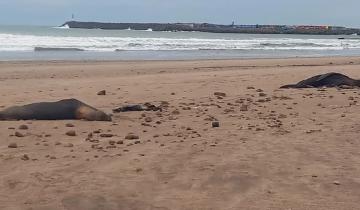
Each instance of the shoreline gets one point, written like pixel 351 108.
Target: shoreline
pixel 342 59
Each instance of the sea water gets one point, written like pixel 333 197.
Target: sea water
pixel 63 43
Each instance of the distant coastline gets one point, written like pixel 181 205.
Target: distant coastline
pixel 216 28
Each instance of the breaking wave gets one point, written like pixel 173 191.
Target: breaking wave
pixel 19 42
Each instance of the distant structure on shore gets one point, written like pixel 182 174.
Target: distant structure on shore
pixel 216 28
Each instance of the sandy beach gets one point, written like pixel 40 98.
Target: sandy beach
pixel 274 149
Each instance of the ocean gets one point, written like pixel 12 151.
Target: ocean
pixel 56 43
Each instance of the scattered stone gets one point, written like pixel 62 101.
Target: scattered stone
pixel 336 183
pixel 18 134
pixel 148 119
pixel 131 136
pixel 215 124
pixel 71 133
pixel 137 142
pixel 106 135
pixel 68 145
pixel 250 88
pixel 23 127
pixel 220 94
pixel 69 125
pixel 57 143
pixel 13 145
pixel 120 142
pixel 244 108
pixel 102 93
pixel 112 142
pixel 262 94
pixel 25 157
pixel 176 112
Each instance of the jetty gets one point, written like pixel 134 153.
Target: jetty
pixel 217 28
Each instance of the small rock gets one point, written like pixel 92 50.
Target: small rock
pixel 23 127
pixel 336 183
pixel 262 94
pixel 69 125
pixel 25 157
pixel 220 94
pixel 18 134
pixel 71 133
pixel 244 108
pixel 102 93
pixel 120 142
pixel 13 145
pixel 215 124
pixel 68 145
pixel 131 136
pixel 148 119
pixel 176 112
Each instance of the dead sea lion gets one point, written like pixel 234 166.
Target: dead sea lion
pixel 68 109
pixel 326 80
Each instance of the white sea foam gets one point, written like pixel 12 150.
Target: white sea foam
pixel 18 42
pixel 66 26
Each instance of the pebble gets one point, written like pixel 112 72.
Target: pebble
pixel 18 134
pixel 25 157
pixel 23 127
pixel 68 145
pixel 106 135
pixel 244 108
pixel 131 136
pixel 220 94
pixel 69 125
pixel 71 133
pixel 13 145
pixel 336 183
pixel 148 119
pixel 262 94
pixel 102 93
pixel 215 124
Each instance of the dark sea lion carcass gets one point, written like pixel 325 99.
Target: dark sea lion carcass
pixel 67 109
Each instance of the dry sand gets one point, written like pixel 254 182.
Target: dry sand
pixel 274 149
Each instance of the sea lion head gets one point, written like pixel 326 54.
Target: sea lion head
pixel 91 114
pixel 99 116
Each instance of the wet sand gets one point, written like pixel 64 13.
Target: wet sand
pixel 274 149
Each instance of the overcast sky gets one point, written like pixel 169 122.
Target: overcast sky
pixel 55 12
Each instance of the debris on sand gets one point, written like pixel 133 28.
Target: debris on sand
pixel 139 108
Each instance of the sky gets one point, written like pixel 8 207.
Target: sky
pixel 291 12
